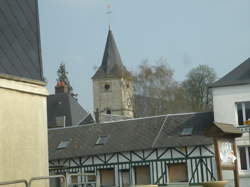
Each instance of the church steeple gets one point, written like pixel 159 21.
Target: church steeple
pixel 112 66
pixel 112 84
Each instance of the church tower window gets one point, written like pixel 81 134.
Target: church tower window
pixel 107 87
pixel 108 111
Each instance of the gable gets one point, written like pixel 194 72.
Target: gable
pixel 238 76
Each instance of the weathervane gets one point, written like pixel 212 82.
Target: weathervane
pixel 109 12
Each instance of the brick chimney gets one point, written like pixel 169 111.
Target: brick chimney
pixel 61 87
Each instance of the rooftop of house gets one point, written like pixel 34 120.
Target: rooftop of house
pixel 112 66
pixel 63 107
pixel 238 76
pixel 20 50
pixel 174 130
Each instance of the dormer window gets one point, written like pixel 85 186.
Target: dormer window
pixel 243 111
pixel 63 144
pixel 101 140
pixel 187 131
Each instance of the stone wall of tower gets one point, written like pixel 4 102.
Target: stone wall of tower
pixel 113 96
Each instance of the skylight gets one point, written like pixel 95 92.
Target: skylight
pixel 187 131
pixel 101 140
pixel 63 144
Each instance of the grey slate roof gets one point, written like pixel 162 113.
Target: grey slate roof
pixel 20 51
pixel 130 135
pixel 63 104
pixel 238 76
pixel 112 66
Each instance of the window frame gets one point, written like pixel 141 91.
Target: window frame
pixel 169 173
pixel 107 169
pixel 136 174
pixel 243 107
pixel 247 152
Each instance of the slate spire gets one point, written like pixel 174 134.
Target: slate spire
pixel 112 66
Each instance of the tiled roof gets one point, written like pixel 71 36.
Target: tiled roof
pixel 63 104
pixel 128 135
pixel 238 76
pixel 112 66
pixel 20 51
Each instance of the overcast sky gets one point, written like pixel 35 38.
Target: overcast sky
pixel 185 32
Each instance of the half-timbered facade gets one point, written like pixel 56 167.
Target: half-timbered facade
pixel 138 151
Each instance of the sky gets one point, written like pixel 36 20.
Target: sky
pixel 185 32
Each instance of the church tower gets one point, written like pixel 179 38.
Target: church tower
pixel 112 84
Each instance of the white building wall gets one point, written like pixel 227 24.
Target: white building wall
pixel 224 99
pixel 23 131
pixel 225 111
pixel 158 167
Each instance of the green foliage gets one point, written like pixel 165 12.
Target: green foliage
pixel 63 76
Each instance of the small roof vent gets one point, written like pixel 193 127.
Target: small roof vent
pixel 101 140
pixel 187 131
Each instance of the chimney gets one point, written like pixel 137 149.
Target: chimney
pixel 97 116
pixel 61 87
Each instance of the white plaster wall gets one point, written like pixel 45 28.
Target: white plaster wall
pixel 23 130
pixel 156 164
pixel 224 99
pixel 224 104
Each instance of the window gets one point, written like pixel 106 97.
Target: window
pixel 244 153
pixel 187 131
pixel 125 178
pixel 107 177
pixel 101 140
pixel 108 111
pixel 91 176
pixel 107 87
pixel 74 181
pixel 177 172
pixel 243 110
pixel 142 175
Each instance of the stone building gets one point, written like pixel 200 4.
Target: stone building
pixel 23 114
pixel 112 84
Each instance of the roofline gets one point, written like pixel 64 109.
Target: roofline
pixel 22 79
pixel 227 85
pixel 146 149
pixel 39 46
pixel 111 122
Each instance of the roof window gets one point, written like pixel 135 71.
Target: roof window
pixel 101 140
pixel 63 144
pixel 187 131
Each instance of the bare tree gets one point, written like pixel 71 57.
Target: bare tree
pixel 154 88
pixel 195 87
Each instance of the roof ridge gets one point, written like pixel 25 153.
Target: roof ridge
pixel 134 119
